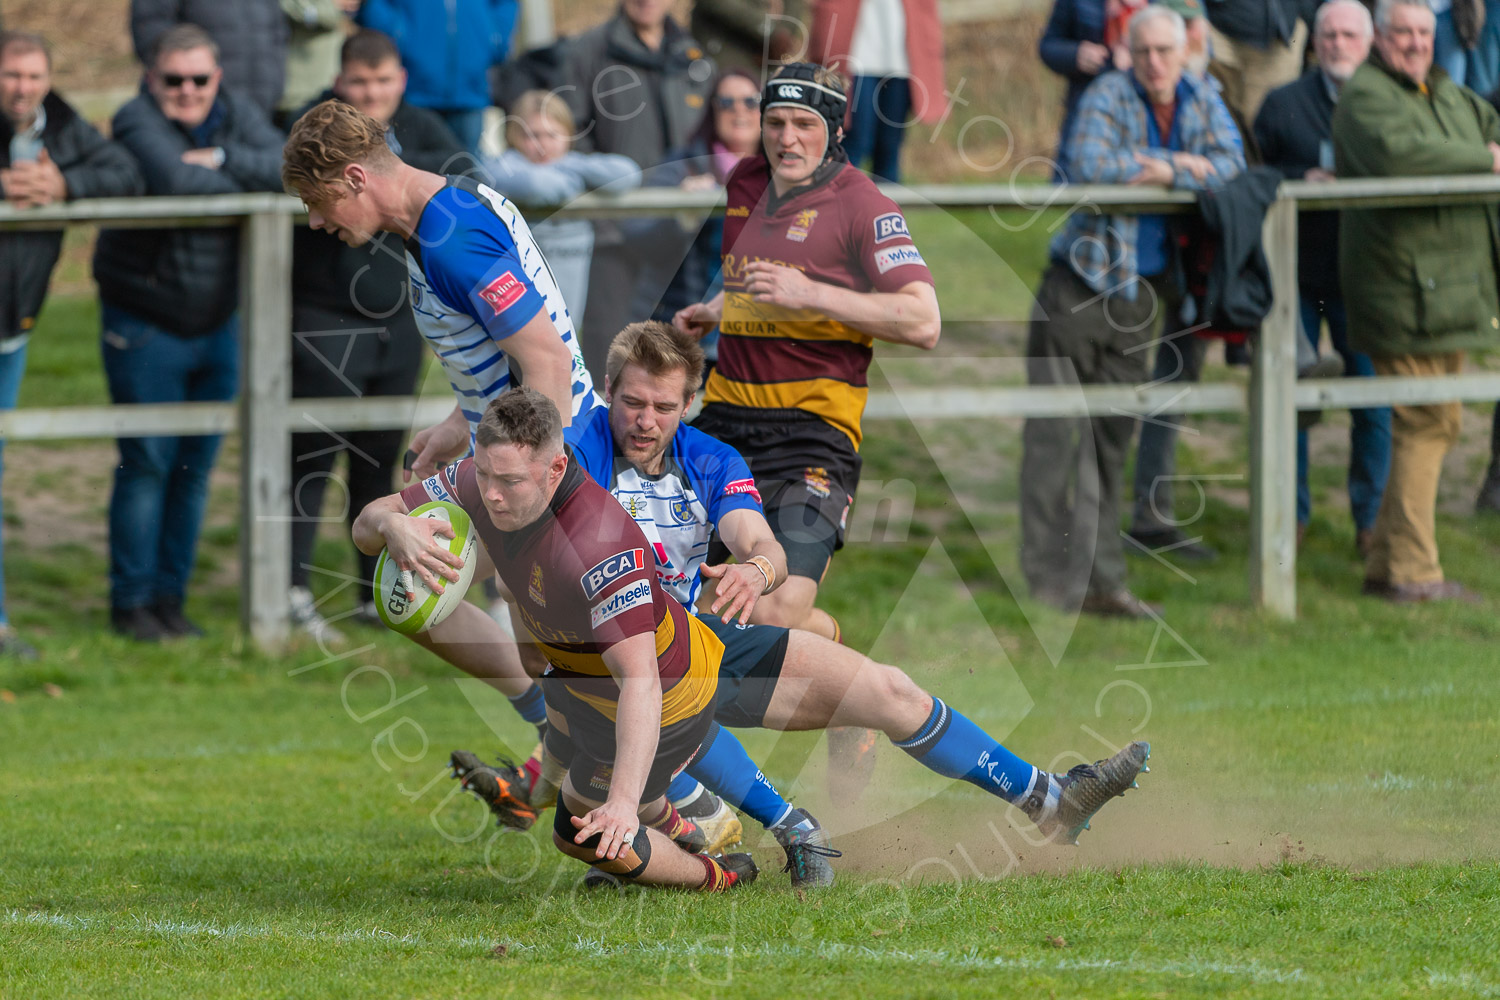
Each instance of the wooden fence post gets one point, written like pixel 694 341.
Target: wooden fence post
pixel 1273 426
pixel 265 398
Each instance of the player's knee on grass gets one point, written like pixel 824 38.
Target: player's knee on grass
pixel 631 862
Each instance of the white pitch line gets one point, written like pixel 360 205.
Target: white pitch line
pixel 968 960
pixel 198 928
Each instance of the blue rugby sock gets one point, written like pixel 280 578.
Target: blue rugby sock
pixel 725 768
pixel 955 747
pixel 684 786
pixel 531 706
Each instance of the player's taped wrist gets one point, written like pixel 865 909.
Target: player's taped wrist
pixel 766 570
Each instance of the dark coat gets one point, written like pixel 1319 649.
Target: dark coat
pixel 371 280
pixel 631 100
pixel 251 35
pixel 93 167
pixel 186 279
pixel 1072 21
pixel 1292 123
pixel 1417 280
pixel 1239 283
pixel 1259 22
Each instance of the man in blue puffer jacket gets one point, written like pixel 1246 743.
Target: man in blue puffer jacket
pixel 447 48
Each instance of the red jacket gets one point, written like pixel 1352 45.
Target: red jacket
pixel 833 31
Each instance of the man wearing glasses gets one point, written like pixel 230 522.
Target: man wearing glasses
pixel 167 305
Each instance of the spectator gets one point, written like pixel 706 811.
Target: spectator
pixel 448 51
pixel 1109 278
pixel 315 33
pixel 1294 131
pixel 354 330
pixel 730 132
pixel 48 153
pixel 640 87
pixel 1257 46
pixel 540 168
pixel 251 35
pixel 1419 283
pixel 894 49
pixel 1467 42
pixel 750 34
pixel 1072 46
pixel 168 300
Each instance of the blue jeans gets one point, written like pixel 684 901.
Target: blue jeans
pixel 877 124
pixel 1370 437
pixel 12 365
pixel 1477 68
pixel 161 483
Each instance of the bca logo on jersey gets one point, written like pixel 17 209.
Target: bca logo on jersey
pixel 611 569
pixel 789 91
pixel 889 226
pixel 504 292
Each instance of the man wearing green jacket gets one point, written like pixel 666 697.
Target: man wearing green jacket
pixel 1419 282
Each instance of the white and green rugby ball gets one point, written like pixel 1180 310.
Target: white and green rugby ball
pixel 428 610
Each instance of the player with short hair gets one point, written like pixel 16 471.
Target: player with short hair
pixel 480 289
pixel 635 682
pixel 818 265
pixel 682 487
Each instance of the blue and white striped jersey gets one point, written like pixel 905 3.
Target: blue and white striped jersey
pixel 476 278
pixel 702 479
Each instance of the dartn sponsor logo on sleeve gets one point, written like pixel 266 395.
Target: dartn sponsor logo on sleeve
pixel 620 602
pixel 746 486
pixel 892 257
pixel 611 569
pixel 504 292
pixel 889 226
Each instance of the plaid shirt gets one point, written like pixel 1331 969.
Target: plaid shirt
pixel 1110 129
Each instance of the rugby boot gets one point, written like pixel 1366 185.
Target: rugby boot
pixel 851 763
pixel 807 850
pixel 1061 805
pixel 738 868
pixel 501 786
pixel 721 827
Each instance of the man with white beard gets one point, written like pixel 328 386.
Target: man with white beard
pixel 1294 132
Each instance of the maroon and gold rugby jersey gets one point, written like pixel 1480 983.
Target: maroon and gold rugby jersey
pixel 841 231
pixel 584 578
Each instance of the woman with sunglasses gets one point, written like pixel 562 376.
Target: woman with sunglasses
pixel 730 132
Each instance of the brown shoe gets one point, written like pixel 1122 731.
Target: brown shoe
pixel 1420 593
pixel 1119 603
pixel 1363 539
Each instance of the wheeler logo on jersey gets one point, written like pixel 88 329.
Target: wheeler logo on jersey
pixel 797 231
pixel 611 569
pixel 621 601
pixel 894 257
pixel 745 486
pixel 535 590
pixel 504 292
pixel 889 226
pixel 434 486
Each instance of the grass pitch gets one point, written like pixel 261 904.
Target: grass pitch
pixel 1320 820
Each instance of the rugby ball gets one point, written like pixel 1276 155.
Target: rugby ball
pixel 428 609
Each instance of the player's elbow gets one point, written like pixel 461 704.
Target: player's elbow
pixel 925 333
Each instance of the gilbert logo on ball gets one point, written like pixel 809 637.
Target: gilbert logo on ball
pixel 426 609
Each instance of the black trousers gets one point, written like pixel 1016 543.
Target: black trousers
pixel 341 354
